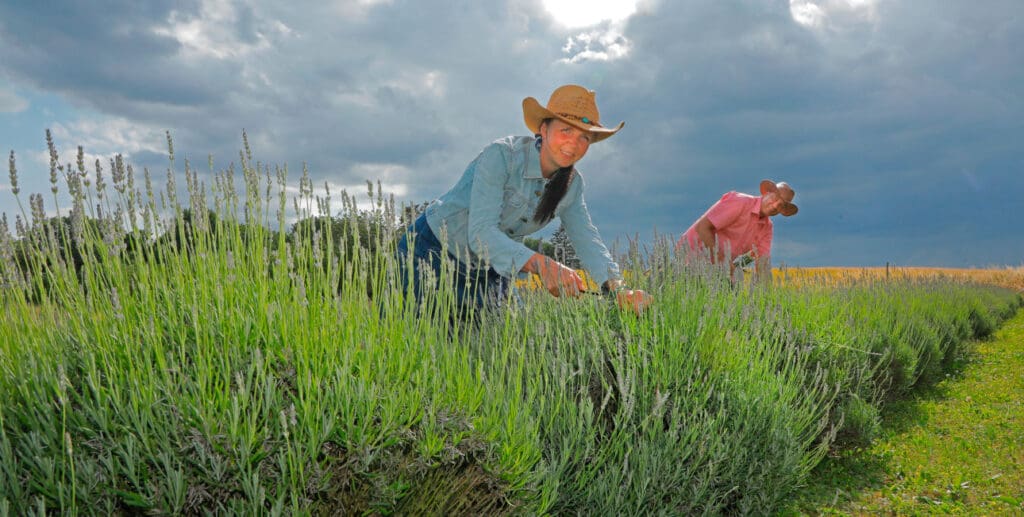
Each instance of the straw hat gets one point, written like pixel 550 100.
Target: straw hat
pixel 571 104
pixel 784 191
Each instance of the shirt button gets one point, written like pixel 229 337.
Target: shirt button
pixel 522 219
pixel 537 192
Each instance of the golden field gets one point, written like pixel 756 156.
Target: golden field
pixel 1011 277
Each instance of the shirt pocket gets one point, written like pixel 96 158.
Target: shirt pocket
pixel 514 213
pixel 514 200
pixel 516 207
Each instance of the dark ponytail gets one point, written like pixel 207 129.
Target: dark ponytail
pixel 554 191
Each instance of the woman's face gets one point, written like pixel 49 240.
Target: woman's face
pixel 562 146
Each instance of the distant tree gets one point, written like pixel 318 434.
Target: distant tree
pixel 182 239
pixel 348 233
pixel 564 251
pixel 540 246
pixel 52 245
pixel 355 237
pixel 411 212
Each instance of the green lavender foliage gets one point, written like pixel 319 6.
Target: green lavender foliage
pixel 198 354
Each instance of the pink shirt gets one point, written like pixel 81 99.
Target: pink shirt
pixel 738 222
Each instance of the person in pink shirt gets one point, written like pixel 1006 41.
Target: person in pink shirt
pixel 742 227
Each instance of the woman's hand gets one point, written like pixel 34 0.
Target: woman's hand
pixel 626 298
pixel 557 278
pixel 634 299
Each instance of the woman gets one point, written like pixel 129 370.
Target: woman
pixel 513 188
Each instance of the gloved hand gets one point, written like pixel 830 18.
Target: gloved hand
pixel 634 299
pixel 557 278
pixel 625 298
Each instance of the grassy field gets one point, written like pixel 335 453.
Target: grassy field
pixel 954 448
pixel 172 354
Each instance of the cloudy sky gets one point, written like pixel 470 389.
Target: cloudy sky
pixel 900 123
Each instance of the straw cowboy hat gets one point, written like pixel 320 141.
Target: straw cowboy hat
pixel 785 193
pixel 571 104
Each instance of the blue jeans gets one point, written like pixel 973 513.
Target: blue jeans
pixel 474 287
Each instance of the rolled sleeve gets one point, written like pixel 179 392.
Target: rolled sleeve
pixel 590 248
pixel 486 239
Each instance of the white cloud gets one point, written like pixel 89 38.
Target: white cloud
pixel 807 13
pixel 100 140
pixel 358 191
pixel 68 156
pixel 210 33
pixel 418 83
pixel 587 13
pixel 357 9
pixel 11 102
pixel 833 15
pixel 392 178
pixel 347 98
pixel 414 84
pixel 596 45
pixel 111 136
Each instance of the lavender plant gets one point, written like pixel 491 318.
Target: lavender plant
pixel 192 355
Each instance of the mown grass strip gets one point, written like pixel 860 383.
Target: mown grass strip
pixel 957 448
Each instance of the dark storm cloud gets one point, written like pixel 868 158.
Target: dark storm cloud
pixel 898 122
pixel 90 50
pixel 409 83
pixel 348 87
pixel 898 133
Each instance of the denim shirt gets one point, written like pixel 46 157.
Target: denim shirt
pixel 485 216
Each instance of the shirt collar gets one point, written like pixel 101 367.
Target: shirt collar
pixel 532 169
pixel 755 208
